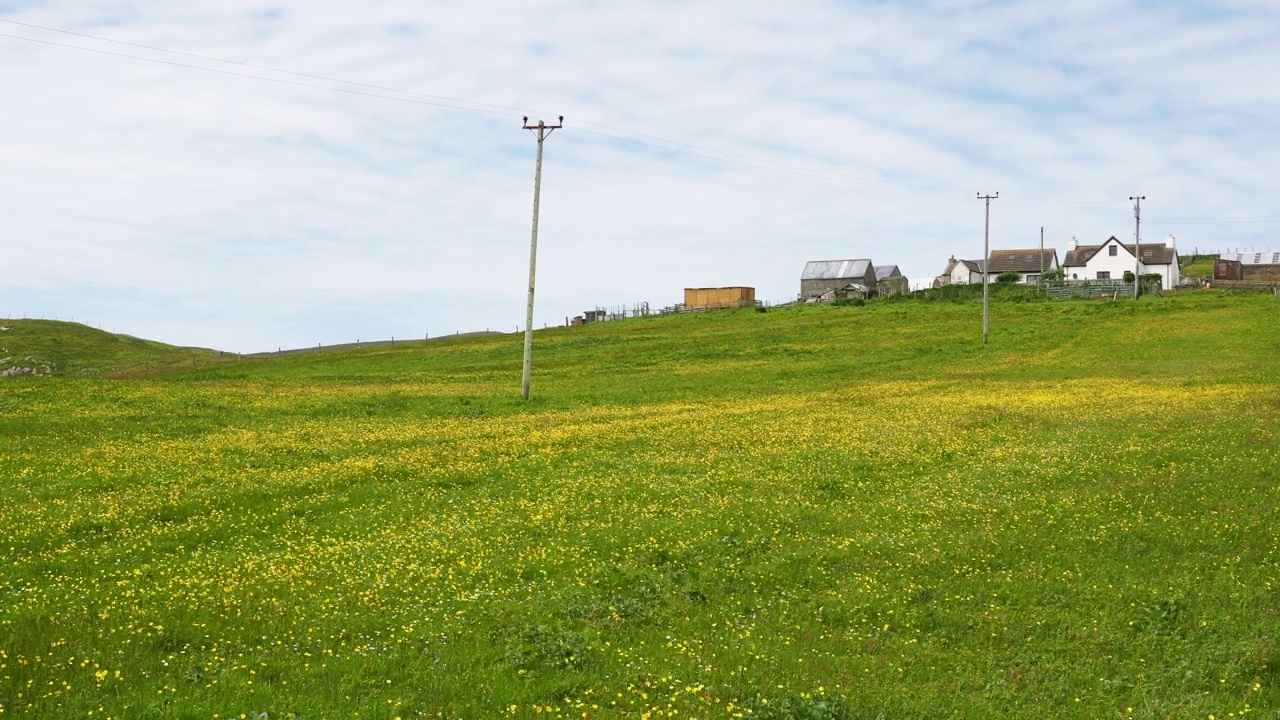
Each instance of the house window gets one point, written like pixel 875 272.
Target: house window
pixel 1111 251
pixel 1033 278
pixel 1104 274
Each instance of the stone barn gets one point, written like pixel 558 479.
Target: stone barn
pixel 889 280
pixel 824 276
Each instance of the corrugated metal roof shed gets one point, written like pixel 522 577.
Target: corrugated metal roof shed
pixel 835 269
pixel 1253 258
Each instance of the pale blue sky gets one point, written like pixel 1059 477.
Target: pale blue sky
pixel 211 209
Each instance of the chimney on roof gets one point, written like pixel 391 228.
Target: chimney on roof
pixel 1071 244
pixel 1168 242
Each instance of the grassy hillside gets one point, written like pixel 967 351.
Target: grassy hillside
pixel 815 512
pixel 1200 266
pixel 53 348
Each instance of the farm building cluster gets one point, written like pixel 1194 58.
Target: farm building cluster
pixel 821 280
pixel 853 279
pixel 1082 263
pixel 1083 266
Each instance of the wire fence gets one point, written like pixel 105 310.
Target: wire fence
pixel 1090 289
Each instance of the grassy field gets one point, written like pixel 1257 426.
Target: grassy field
pixel 52 348
pixel 1199 266
pixel 814 512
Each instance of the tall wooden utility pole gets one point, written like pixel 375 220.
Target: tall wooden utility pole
pixel 1137 242
pixel 1041 283
pixel 986 258
pixel 543 131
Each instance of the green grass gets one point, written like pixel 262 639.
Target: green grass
pixel 814 512
pixel 55 348
pixel 1200 266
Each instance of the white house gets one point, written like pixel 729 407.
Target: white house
pixel 961 272
pixel 1027 263
pixel 1111 259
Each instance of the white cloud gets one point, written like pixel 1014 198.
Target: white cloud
pixel 204 208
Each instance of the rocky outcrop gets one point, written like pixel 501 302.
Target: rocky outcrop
pixel 26 366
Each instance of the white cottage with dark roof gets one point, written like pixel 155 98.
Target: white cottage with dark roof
pixel 1111 259
pixel 961 272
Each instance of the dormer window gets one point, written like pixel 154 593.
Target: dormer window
pixel 1111 251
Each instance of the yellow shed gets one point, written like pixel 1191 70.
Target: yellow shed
pixel 724 297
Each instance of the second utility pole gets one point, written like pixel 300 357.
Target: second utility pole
pixel 543 131
pixel 986 257
pixel 1137 242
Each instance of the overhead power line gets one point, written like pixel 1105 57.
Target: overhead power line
pixel 769 165
pixel 262 67
pixel 461 104
pixel 259 77
pixel 1065 202
pixel 1217 221
pixel 452 103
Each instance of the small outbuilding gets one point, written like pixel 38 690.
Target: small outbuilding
pixel 1225 269
pixel 1259 266
pixel 890 280
pixel 824 276
pixel 722 297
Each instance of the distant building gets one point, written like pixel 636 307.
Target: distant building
pixel 1027 263
pixel 1225 269
pixel 1111 259
pixel 824 276
pixel 725 297
pixel 961 272
pixel 889 280
pixel 1249 266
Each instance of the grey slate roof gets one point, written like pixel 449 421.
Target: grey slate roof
pixel 973 265
pixel 1156 253
pixel 835 269
pixel 1024 261
pixel 884 272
